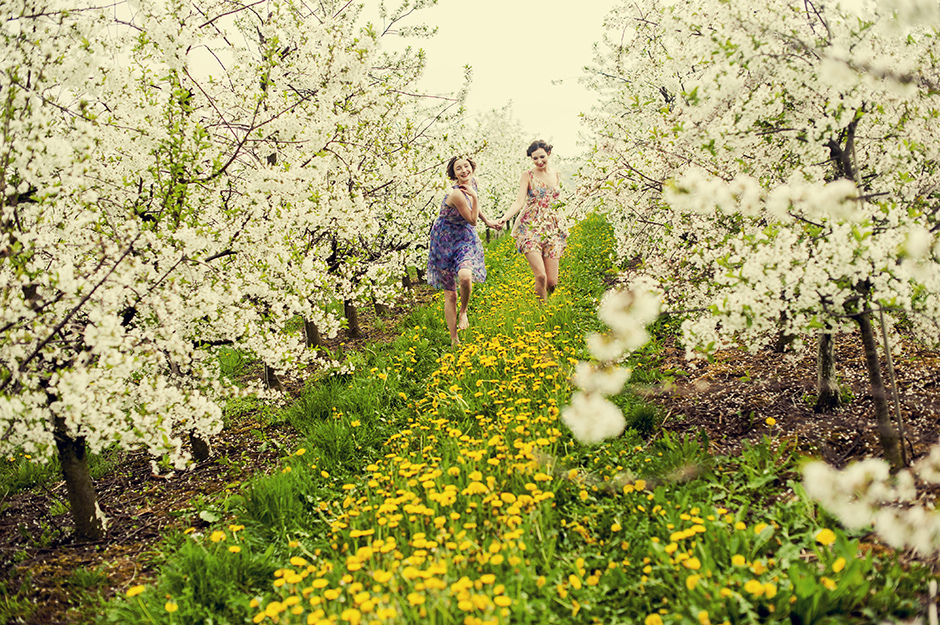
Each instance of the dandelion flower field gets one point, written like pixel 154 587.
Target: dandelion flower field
pixel 438 485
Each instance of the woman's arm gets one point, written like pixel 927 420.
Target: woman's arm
pixel 468 210
pixel 520 199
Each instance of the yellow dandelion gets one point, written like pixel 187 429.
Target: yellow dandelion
pixel 826 537
pixel 692 563
pixel 754 587
pixel 133 591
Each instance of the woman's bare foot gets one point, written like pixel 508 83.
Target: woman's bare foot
pixel 464 322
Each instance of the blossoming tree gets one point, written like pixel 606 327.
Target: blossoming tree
pixel 149 213
pixel 777 165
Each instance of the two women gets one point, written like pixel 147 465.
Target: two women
pixel 455 258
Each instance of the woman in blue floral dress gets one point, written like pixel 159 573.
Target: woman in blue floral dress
pixel 540 231
pixel 455 254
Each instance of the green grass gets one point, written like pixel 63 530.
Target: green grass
pixel 22 472
pixel 15 604
pixel 429 469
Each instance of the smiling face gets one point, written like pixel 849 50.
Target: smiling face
pixel 540 158
pixel 463 170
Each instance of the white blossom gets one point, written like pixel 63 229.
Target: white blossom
pixel 627 313
pixel 591 418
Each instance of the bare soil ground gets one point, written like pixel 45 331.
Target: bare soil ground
pixel 730 398
pixel 733 397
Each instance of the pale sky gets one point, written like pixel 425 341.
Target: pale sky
pixel 517 49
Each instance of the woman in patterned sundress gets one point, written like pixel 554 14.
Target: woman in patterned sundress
pixel 455 254
pixel 540 231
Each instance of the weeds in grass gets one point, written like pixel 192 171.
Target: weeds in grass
pixel 15 606
pixel 233 362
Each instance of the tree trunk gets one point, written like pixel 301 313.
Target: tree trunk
pixel 890 442
pixel 784 342
pixel 381 310
pixel 312 335
pixel 829 397
pixel 420 275
pixel 271 380
pixel 406 279
pixel 353 330
pixel 89 526
pixel 199 446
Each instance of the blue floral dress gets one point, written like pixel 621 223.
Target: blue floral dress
pixel 454 245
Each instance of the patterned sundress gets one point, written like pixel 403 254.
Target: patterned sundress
pixel 454 245
pixel 541 227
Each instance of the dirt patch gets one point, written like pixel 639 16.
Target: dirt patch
pixel 733 397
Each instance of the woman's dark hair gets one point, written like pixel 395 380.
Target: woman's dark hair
pixel 536 145
pixel 453 161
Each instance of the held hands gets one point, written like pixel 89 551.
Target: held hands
pixel 495 225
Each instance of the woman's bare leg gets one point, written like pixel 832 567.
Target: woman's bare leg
pixel 464 277
pixel 551 274
pixel 450 315
pixel 537 263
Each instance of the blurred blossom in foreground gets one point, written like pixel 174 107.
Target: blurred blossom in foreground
pixel 867 494
pixel 590 417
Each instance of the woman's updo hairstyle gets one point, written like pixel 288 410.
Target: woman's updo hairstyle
pixel 538 144
pixel 450 165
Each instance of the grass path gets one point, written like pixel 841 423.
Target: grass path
pixel 438 485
